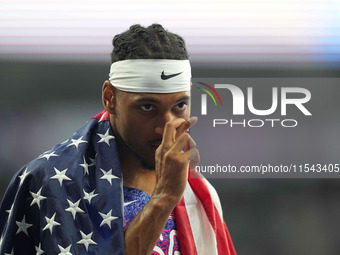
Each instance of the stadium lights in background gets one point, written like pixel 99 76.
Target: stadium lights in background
pixel 242 31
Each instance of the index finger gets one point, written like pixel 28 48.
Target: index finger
pixel 182 128
pixel 170 128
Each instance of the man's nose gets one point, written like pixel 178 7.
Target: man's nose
pixel 163 119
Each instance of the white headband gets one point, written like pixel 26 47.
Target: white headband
pixel 151 75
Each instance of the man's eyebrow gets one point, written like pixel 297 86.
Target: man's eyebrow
pixel 147 100
pixel 156 101
pixel 184 98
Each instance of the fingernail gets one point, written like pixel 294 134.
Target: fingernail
pixel 193 119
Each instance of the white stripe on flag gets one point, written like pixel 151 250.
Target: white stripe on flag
pixel 214 198
pixel 203 233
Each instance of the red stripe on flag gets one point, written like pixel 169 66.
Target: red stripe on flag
pixel 230 242
pixel 223 239
pixel 184 232
pixel 102 116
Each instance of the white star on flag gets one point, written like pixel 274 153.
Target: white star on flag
pixel 106 137
pixel 23 176
pixel 107 175
pixel 37 197
pixel 85 166
pixel 60 176
pixel 86 240
pixel 51 223
pixel 23 226
pixel 76 142
pixel 64 251
pixel 127 203
pixel 107 218
pixel 48 155
pixel 89 196
pixel 39 250
pixel 74 208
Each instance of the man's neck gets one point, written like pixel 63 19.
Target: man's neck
pixel 134 175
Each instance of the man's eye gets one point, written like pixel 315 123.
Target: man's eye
pixel 147 107
pixel 181 106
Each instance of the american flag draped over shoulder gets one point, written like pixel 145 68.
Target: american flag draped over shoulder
pixel 70 201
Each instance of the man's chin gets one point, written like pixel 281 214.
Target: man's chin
pixel 147 161
pixel 146 164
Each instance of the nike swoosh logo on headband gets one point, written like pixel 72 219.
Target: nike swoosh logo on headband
pixel 165 77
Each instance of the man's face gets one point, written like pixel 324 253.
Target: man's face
pixel 140 118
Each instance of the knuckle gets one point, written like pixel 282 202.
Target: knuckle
pixel 169 124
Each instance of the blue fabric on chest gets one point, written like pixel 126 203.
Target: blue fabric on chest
pixel 134 201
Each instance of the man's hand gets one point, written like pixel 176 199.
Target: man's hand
pixel 172 162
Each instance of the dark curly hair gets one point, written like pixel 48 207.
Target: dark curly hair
pixel 152 42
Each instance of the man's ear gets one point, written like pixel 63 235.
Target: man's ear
pixel 109 97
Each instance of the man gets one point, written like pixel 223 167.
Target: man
pixel 120 185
